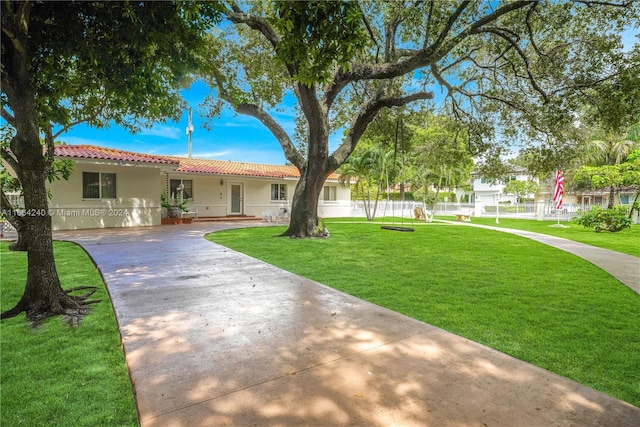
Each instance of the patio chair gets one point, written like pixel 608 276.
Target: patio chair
pixel 422 215
pixel 283 213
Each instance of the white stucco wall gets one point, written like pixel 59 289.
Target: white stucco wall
pixel 212 195
pixel 138 189
pixel 137 201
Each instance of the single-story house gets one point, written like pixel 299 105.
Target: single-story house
pixel 115 188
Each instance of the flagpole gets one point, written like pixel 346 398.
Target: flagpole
pixel 558 193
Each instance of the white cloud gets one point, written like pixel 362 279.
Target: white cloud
pixel 208 155
pixel 163 131
pixel 75 140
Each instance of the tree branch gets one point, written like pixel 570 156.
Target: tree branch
pixel 49 142
pixel 290 151
pixel 10 158
pixel 590 3
pixel 421 57
pixel 366 114
pixel 20 20
pixel 9 211
pixel 369 30
pixel 453 89
pixel 8 117
pixel 534 83
pixel 447 28
pixel 530 30
pixel 88 118
pixel 237 16
pixel 427 31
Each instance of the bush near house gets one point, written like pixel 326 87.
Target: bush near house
pixel 612 219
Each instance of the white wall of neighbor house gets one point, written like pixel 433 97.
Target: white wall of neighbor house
pixel 334 207
pixel 136 201
pixel 213 195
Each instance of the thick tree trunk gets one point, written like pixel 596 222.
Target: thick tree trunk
pixel 612 195
pixel 304 207
pixel 20 245
pixel 43 296
pixel 313 174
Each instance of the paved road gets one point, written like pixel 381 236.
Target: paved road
pixel 215 338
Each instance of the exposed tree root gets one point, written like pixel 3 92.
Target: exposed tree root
pixel 12 312
pixel 18 246
pixel 80 288
pixel 73 308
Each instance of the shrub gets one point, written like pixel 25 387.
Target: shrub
pixel 614 219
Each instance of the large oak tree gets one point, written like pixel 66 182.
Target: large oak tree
pixel 346 61
pixel 99 63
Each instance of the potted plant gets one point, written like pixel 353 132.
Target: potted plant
pixel 173 210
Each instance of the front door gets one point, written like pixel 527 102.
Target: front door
pixel 236 199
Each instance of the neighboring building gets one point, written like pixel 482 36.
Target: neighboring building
pixel 485 191
pixel 115 188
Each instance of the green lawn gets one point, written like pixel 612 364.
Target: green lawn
pixel 532 301
pixel 56 375
pixel 626 241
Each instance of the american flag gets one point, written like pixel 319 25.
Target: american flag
pixel 559 190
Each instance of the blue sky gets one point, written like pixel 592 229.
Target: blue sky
pixel 232 137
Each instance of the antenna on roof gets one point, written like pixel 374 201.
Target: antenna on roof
pixel 189 132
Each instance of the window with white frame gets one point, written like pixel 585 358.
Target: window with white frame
pixel 278 192
pixel 330 193
pixel 98 185
pixel 184 186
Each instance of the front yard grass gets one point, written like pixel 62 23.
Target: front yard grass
pixel 57 375
pixel 526 299
pixel 626 241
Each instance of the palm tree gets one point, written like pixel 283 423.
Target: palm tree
pixel 611 149
pixel 372 170
pixel 447 176
pixel 358 168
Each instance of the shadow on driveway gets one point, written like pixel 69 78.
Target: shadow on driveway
pixel 216 338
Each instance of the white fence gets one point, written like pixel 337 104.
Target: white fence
pixel 528 210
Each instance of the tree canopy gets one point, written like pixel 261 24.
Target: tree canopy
pixel 65 63
pixel 498 65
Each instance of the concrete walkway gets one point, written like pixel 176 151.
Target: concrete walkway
pixel 215 338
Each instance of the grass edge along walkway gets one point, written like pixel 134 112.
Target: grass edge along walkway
pixel 521 297
pixel 626 241
pixel 622 266
pixel 55 374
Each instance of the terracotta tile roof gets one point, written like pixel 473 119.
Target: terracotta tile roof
pixel 103 153
pixel 226 167
pixel 184 164
pixel 222 167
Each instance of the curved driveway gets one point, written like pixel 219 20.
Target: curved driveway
pixel 215 338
